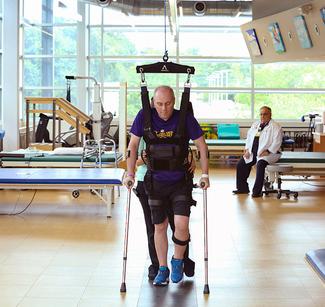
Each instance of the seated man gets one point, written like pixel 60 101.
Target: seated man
pixel 263 144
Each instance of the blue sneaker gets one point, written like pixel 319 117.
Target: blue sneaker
pixel 177 270
pixel 162 278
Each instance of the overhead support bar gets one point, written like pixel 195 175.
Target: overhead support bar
pixel 166 67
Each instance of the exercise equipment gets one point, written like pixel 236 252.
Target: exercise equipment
pixel 100 122
pixel 60 178
pixel 42 134
pixel 60 109
pixel 311 129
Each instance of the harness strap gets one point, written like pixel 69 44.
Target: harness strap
pixel 183 112
pixel 180 198
pixel 154 203
pixel 146 108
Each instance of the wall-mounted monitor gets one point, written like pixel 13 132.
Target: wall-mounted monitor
pixel 302 32
pixel 253 43
pixel 276 36
pixel 322 14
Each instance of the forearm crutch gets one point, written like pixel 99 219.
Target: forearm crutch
pixel 126 237
pixel 205 220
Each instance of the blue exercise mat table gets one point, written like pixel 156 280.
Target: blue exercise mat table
pixel 61 178
pixel 304 163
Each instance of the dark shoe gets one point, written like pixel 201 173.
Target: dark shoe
pixel 257 195
pixel 189 267
pixel 240 192
pixel 152 271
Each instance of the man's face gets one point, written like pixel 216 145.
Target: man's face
pixel 265 115
pixel 164 103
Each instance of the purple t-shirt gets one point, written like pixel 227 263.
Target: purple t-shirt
pixel 166 129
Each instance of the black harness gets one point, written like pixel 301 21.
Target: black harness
pixel 170 154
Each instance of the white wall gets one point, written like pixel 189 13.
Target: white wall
pixel 262 8
pixel 285 20
pixel 10 116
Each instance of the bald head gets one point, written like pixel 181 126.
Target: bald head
pixel 164 101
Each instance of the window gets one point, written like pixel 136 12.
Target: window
pixel 309 75
pixel 225 86
pixel 212 41
pixel 210 73
pixel 290 105
pixel 290 89
pixel 49 52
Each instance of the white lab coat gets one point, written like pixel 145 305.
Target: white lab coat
pixel 270 139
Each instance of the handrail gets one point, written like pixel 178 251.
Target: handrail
pixel 65 116
pixel 72 110
pixel 60 109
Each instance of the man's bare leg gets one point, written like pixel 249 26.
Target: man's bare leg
pixel 161 242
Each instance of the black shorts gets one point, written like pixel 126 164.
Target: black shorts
pixel 165 196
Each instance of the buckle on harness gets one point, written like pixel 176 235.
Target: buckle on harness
pixel 143 78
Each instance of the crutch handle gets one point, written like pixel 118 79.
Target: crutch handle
pixel 128 183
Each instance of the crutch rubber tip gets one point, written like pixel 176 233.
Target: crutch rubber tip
pixel 206 289
pixel 123 287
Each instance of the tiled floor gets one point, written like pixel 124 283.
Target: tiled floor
pixel 64 252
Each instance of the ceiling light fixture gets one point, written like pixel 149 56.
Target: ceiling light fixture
pixel 104 3
pixel 200 8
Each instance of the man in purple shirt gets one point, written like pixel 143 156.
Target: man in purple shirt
pixel 167 186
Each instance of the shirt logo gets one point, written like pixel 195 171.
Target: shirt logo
pixel 164 134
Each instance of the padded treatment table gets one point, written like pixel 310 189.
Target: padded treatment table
pixel 108 160
pixel 304 163
pixel 316 259
pixel 60 178
pixel 224 147
pixel 296 166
